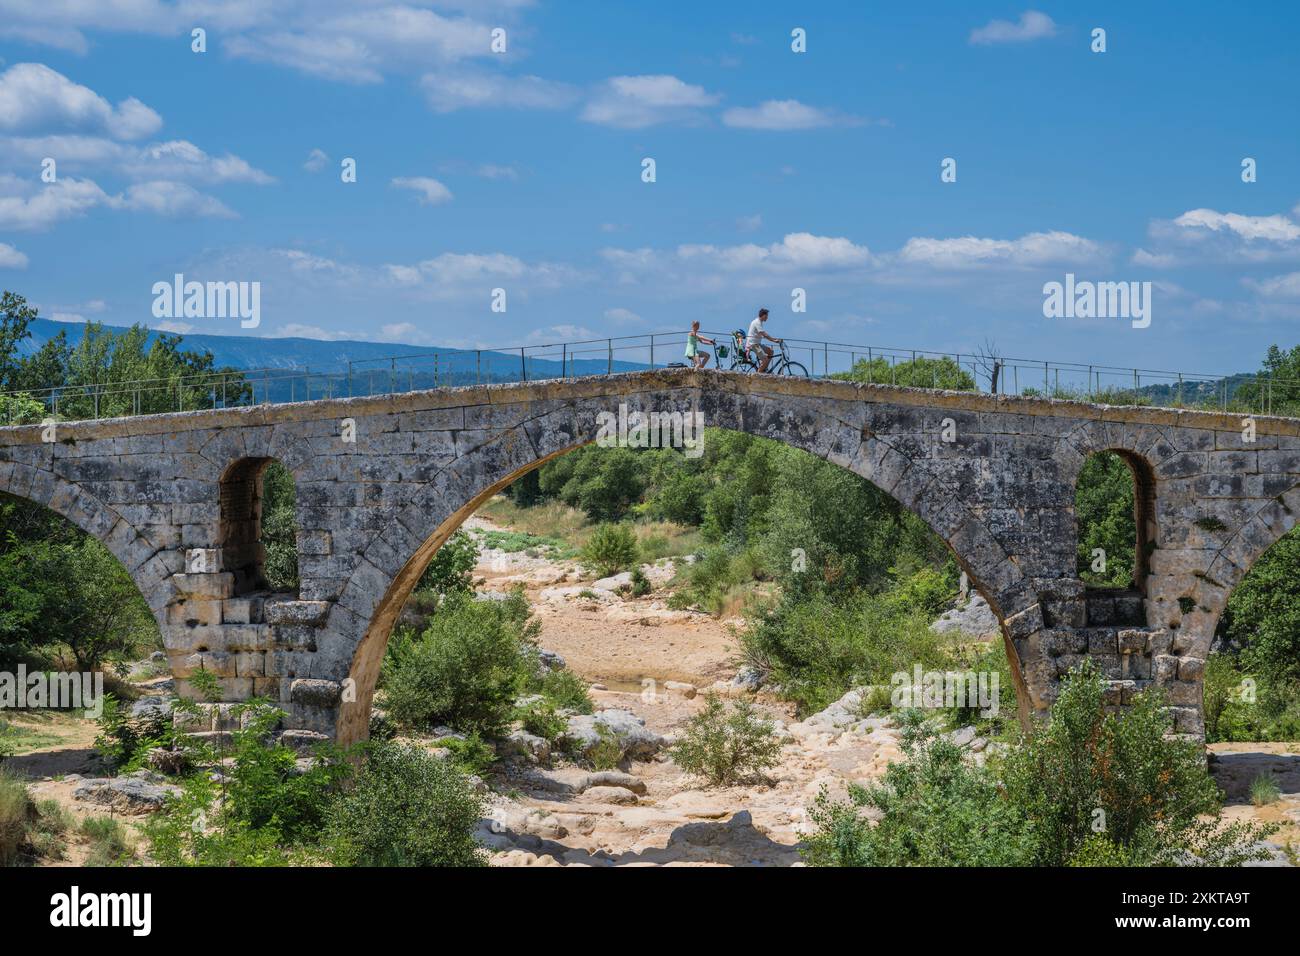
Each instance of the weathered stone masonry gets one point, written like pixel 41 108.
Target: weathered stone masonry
pixel 177 499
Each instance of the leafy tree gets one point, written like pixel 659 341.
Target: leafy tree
pixel 279 527
pixel 15 317
pixel 1280 385
pixel 1263 613
pixel 67 590
pixel 1104 510
pixel 452 569
pixel 610 549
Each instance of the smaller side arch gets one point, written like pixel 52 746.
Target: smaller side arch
pixel 149 565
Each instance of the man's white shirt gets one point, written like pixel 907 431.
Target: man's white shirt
pixel 755 328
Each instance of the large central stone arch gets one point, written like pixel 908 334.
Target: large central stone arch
pixel 516 442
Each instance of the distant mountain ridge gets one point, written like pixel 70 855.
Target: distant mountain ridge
pixel 246 351
pixel 330 360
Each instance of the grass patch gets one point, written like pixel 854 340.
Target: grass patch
pixel 512 542
pixel 36 731
pixel 1263 791
pixel 110 844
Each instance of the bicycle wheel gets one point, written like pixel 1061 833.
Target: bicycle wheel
pixel 793 368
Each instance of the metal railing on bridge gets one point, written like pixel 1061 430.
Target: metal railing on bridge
pixel 1257 393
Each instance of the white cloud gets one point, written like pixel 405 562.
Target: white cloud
pixel 635 102
pixel 784 115
pixel 493 171
pixel 1033 249
pixel 295 330
pixel 1207 235
pixel 176 328
pixel 11 258
pixel 306 263
pixel 23 207
pixel 798 250
pixel 1154 260
pixel 34 97
pixel 749 223
pixel 173 160
pixel 1277 287
pixel 622 316
pixel 335 39
pixel 1031 26
pixel 430 190
pixel 452 271
pixel 446 92
pixel 403 332
pixel 1272 228
pixel 316 161
pixel 174 200
pixel 555 334
pixel 180 159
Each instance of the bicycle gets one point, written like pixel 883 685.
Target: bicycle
pixel 784 365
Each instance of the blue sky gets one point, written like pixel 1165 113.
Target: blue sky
pixel 775 170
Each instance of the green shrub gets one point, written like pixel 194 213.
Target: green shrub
pixel 1152 791
pixel 607 753
pixel 1100 850
pixel 124 741
pixel 1087 788
pixel 542 720
pixel 381 726
pixel 279 527
pixel 406 808
pixel 266 811
pixel 640 583
pixel 727 745
pixel 818 648
pixel 936 810
pixel 464 669
pixel 470 754
pixel 610 549
pixel 926 590
pixel 565 690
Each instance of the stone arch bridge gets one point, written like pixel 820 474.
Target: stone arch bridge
pixel 382 482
